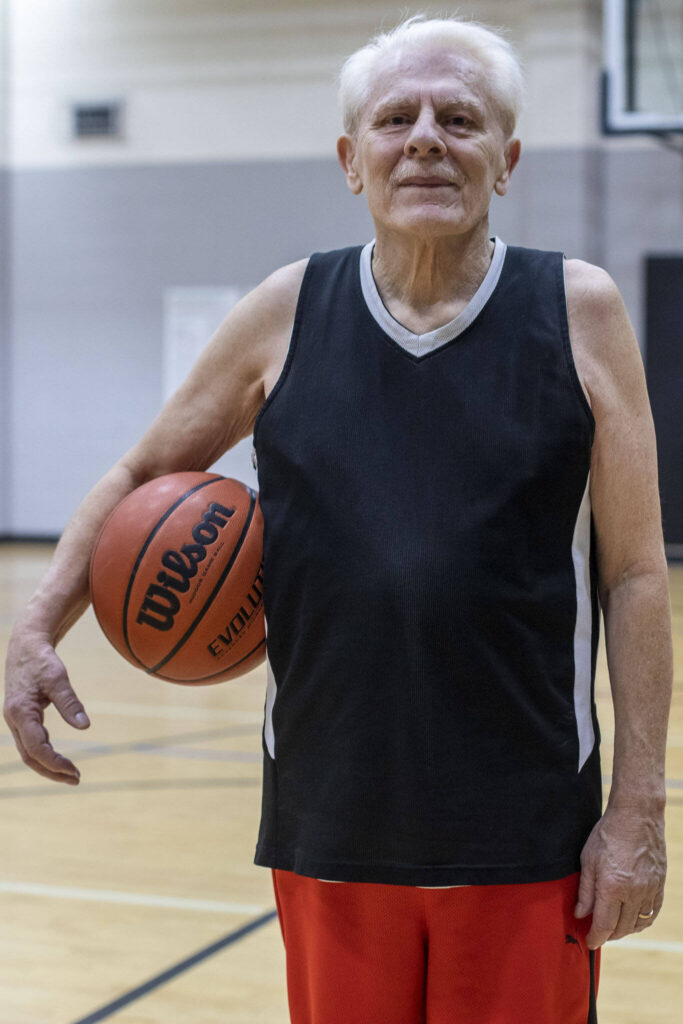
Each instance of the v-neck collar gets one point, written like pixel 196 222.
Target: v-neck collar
pixel 422 344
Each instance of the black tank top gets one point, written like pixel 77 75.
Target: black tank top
pixel 429 589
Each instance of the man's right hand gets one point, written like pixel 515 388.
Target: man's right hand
pixel 35 677
pixel 213 409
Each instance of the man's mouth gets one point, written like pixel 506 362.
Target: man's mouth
pixel 427 182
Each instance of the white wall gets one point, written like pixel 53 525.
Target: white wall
pixel 5 441
pixel 4 80
pixel 226 171
pixel 246 80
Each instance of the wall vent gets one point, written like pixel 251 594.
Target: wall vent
pixel 96 120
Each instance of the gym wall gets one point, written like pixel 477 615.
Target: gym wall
pixel 225 169
pixel 4 282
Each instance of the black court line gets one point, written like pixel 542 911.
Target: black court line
pixel 161 979
pixel 61 789
pixel 28 538
pixel 83 750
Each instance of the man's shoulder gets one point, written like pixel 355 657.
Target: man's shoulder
pixel 594 303
pixel 601 332
pixel 590 283
pixel 282 285
pixel 260 320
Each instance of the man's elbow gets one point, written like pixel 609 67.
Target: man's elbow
pixel 643 575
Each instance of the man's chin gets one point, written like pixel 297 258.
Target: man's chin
pixel 430 219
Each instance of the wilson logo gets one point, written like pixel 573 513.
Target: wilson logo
pixel 161 602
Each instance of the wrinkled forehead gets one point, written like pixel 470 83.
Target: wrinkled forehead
pixel 445 74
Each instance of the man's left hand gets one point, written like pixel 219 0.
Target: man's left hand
pixel 623 868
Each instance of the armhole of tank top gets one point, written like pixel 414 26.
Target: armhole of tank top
pixel 284 373
pixel 567 347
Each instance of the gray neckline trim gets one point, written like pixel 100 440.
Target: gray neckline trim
pixel 421 344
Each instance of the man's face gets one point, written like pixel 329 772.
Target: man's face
pixel 430 149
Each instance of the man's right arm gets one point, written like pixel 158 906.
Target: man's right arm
pixel 214 409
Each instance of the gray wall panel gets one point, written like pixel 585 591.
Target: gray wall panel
pixel 643 210
pixel 93 251
pixel 554 203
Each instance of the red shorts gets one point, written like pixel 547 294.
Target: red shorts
pixel 365 953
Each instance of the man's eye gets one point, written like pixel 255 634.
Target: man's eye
pixel 459 120
pixel 397 119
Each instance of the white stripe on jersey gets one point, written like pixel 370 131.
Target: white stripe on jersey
pixel 271 694
pixel 583 630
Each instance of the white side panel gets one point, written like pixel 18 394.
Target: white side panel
pixel 583 630
pixel 271 694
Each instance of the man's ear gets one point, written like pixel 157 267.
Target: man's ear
pixel 346 153
pixel 513 151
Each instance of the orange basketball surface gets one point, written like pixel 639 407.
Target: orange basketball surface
pixel 176 578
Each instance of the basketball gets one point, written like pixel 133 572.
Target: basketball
pixel 176 578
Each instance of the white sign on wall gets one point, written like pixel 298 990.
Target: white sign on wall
pixel 191 317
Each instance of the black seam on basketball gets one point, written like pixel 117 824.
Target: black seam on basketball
pixel 91 577
pixel 221 579
pixel 167 513
pixel 214 675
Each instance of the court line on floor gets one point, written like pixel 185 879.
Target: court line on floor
pixel 195 754
pixel 109 1009
pixel 132 899
pixel 85 749
pixel 184 965
pixel 124 785
pixel 648 945
pixel 52 789
pixel 184 753
pixel 185 712
pixel 77 744
pixel 222 907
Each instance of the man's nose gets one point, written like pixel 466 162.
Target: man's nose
pixel 425 137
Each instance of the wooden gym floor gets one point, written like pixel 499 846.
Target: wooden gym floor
pixel 109 889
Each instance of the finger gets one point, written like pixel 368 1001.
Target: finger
pixel 586 896
pixel 71 780
pixel 68 780
pixel 606 914
pixel 31 737
pixel 36 750
pixel 629 921
pixel 654 905
pixel 69 706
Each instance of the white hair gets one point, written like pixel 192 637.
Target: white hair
pixel 457 35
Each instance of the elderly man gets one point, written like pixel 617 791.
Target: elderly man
pixel 457 468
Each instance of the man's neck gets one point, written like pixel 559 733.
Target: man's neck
pixel 424 283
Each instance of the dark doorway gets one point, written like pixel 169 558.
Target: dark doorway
pixel 664 370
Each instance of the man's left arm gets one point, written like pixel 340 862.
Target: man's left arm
pixel 623 864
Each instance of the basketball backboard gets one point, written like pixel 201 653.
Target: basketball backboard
pixel 642 80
